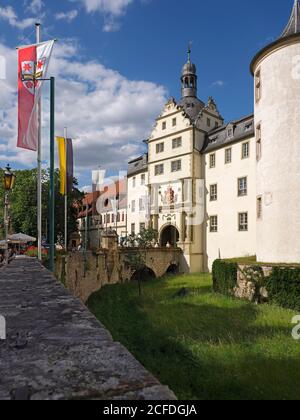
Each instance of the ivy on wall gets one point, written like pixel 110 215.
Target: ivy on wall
pixel 282 285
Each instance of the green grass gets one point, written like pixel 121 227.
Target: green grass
pixel 204 346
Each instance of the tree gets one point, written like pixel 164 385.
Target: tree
pixel 23 204
pixel 136 262
pixel 146 238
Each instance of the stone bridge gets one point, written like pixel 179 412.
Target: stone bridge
pixel 85 274
pixel 56 350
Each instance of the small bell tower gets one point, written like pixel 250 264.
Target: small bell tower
pixel 189 78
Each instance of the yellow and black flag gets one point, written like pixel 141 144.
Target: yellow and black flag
pixel 65 152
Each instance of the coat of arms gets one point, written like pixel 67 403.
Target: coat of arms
pixel 169 197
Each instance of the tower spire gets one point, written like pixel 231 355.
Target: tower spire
pixel 293 26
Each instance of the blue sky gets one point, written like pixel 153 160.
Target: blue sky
pixel 119 60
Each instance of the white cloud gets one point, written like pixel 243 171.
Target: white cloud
pixel 34 6
pixel 9 15
pixel 107 115
pixel 67 16
pixel 110 9
pixel 218 83
pixel 113 7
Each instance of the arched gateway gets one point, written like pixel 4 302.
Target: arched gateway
pixel 169 234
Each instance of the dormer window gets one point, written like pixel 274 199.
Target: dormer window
pixel 248 127
pixel 230 132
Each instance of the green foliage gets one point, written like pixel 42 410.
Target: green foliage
pixel 204 346
pixel 23 204
pixel 224 277
pixel 284 287
pixel 136 261
pixel 146 238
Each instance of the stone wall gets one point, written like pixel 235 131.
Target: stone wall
pixel 55 348
pixel 84 275
pixel 250 283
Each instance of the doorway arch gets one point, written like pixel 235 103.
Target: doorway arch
pixel 144 274
pixel 169 234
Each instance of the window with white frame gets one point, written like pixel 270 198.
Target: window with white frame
pixel 143 179
pixel 142 227
pixel 228 155
pixel 160 147
pixel 174 122
pixel 243 222
pixel 258 142
pixel 133 206
pixel 212 160
pixel 159 170
pixel 242 186
pixel 176 166
pixel 214 192
pixel 208 122
pixel 132 228
pixel 133 182
pixel 245 150
pixel 258 86
pixel 176 143
pixel 164 125
pixel 141 204
pixel 259 208
pixel 213 224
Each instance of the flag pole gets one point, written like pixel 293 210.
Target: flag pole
pixel 66 190
pixel 39 162
pixel 52 185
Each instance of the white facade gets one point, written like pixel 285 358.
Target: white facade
pixel 138 202
pixel 225 190
pixel 232 190
pixel 227 202
pixel 277 116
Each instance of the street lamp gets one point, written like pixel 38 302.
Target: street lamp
pixel 9 180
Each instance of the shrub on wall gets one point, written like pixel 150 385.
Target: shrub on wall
pixel 284 287
pixel 224 277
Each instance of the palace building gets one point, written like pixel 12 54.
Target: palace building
pixel 226 190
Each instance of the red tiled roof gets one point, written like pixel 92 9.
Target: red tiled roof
pixel 110 191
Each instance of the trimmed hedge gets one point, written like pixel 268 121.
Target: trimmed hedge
pixel 283 287
pixel 224 277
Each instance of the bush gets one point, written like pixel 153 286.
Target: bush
pixel 224 277
pixel 283 287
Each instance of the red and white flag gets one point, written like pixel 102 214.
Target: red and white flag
pixel 33 66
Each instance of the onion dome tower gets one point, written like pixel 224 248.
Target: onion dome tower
pixel 189 81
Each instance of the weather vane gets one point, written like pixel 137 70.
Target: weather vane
pixel 189 50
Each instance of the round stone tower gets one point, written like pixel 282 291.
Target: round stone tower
pixel 276 71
